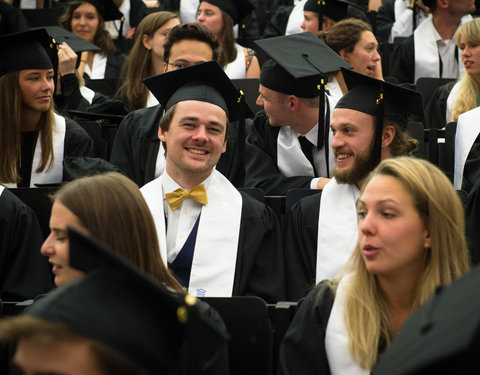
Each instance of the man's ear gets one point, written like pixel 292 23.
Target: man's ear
pixel 162 134
pixel 344 55
pixel 387 135
pixel 293 102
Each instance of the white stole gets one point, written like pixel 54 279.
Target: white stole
pixel 151 100
pixel 99 65
pixel 452 97
pixel 336 336
pixel 337 228
pixel 1 189
pixel 290 158
pixel 188 10
pixel 215 256
pixel 237 68
pixel 55 174
pixel 427 62
pixel 468 128
pixel 295 19
pixel 87 93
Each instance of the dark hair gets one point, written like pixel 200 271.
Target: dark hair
pixel 191 31
pixel 402 143
pixel 227 42
pixel 102 37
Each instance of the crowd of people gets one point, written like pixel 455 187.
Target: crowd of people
pixel 141 235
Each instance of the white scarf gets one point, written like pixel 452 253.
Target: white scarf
pixel 468 128
pixel 237 68
pixel 336 336
pixel 99 65
pixel 188 10
pixel 427 63
pixel 215 256
pixel 55 174
pixel 295 19
pixel 337 228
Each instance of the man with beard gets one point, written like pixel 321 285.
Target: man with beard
pixel 322 233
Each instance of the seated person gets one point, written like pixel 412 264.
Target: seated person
pixel 110 207
pixel 137 151
pixel 355 42
pixel 12 19
pixel 288 144
pixel 25 274
pixel 34 140
pixel 216 240
pixel 431 50
pixel 322 15
pixel 448 102
pixel 115 320
pixel 146 59
pixel 87 20
pixel 322 229
pixel 410 241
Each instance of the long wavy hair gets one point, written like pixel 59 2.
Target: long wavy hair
pixel 468 92
pixel 138 65
pixel 227 41
pixel 366 314
pixel 111 207
pixel 102 37
pixel 11 131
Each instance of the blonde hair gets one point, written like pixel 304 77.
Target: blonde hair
pixel 468 92
pixel 11 131
pixel 367 316
pixel 111 207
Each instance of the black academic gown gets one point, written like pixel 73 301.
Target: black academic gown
pixel 261 161
pixel 303 347
pixel 277 23
pixel 113 67
pixel 385 20
pixel 136 147
pixel 259 269
pixel 12 19
pixel 403 61
pixel 24 272
pixel 471 170
pixel 436 108
pixel 300 241
pixel 472 212
pixel 72 99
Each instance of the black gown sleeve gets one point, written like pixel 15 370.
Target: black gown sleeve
pixel 138 10
pixel 260 258
pixel 24 272
pixel 300 241
pixel 472 212
pixel 261 161
pixel 403 61
pixel 385 20
pixel 303 347
pixel 436 108
pixel 77 141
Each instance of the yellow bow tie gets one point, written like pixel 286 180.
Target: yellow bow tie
pixel 175 199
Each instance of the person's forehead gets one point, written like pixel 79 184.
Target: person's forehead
pixel 341 116
pixel 191 49
pixel 198 108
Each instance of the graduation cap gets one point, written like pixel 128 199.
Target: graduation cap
pixel 77 44
pixel 337 10
pixel 27 50
pixel 106 8
pixel 376 98
pixel 237 9
pixel 440 337
pixel 121 306
pixel 299 66
pixel 205 82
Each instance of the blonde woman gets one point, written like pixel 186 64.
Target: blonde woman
pixel 411 239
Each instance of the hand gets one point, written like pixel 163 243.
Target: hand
pixel 66 59
pixel 322 181
pixel 422 6
pixel 130 33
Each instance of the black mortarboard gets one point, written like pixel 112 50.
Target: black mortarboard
pixel 205 82
pixel 299 66
pixel 77 44
pixel 237 9
pixel 377 98
pixel 27 50
pixel 121 306
pixel 106 8
pixel 337 10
